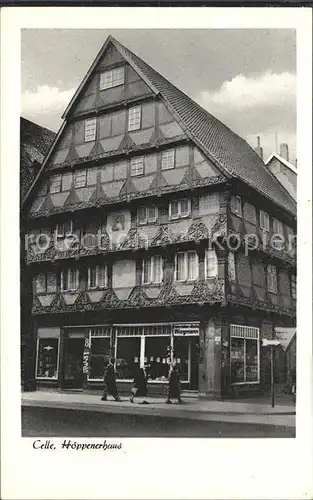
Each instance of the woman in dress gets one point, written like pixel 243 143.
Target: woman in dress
pixel 140 385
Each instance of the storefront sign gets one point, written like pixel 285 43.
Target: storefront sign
pixel 86 362
pixel 186 329
pixel 285 336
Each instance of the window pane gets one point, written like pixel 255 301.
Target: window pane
pixel 147 270
pixel 136 166
pixel 211 263
pixel 168 158
pixel 134 118
pixel 51 282
pixel 102 276
pixel 152 213
pixel 99 357
pixel 128 357
pixel 73 279
pixel 92 273
pixel 90 129
pixel 80 178
pixel 157 269
pixel 237 360
pixel 238 206
pixel 156 352
pixel 111 78
pixel 184 208
pixel 251 360
pixel 47 358
pixel 192 265
pixel 142 215
pixel 180 266
pixel 64 280
pixel 40 283
pixel 55 183
pixel 174 209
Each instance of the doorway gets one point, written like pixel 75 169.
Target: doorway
pixel 73 363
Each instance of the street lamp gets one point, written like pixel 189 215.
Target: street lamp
pixel 271 344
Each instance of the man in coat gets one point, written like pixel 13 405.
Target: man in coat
pixel 173 384
pixel 140 385
pixel 109 380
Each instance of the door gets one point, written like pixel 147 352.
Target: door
pixel 73 363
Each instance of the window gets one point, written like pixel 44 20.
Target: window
pixel 271 279
pixel 186 266
pixel 238 206
pixel 97 276
pixel 277 227
pixel 45 283
pixel 80 178
pixel 69 280
pixel 147 214
pixel 264 221
pixel 47 358
pixel 179 208
pixel 168 159
pixel 152 269
pixel 244 354
pixel 63 229
pixel 136 166
pixel 90 129
pixel 293 286
pixel 112 78
pixel 231 267
pixel 210 264
pixel 55 183
pixel 134 118
pixel 100 352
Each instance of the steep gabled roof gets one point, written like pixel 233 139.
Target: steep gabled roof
pixel 231 154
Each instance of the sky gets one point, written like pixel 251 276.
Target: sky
pixel 246 78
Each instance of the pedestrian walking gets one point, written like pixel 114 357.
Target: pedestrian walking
pixel 173 390
pixel 139 388
pixel 109 380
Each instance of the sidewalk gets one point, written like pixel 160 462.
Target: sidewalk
pixel 225 411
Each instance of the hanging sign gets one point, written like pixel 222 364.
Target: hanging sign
pixel 86 362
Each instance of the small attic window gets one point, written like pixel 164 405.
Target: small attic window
pixel 90 129
pixel 112 78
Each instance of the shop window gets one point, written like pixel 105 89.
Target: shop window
pixel 277 227
pixel 231 266
pixel 99 357
pixel 179 208
pixel 69 280
pixel 80 178
pixel 47 358
pixel 90 129
pixel 147 214
pixel 112 78
pixel 272 278
pixel 137 166
pixel 152 269
pixel 181 357
pixel 186 266
pixel 55 183
pixel 168 159
pixel 293 287
pixel 127 357
pixel 244 354
pixel 134 118
pixel 157 355
pixel 211 269
pixel 97 276
pixel 264 221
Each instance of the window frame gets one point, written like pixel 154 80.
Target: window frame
pixel 63 234
pixel 87 123
pixel 173 164
pixel 179 216
pixel 111 84
pixel 133 125
pixel 45 274
pixel 68 270
pixel 186 273
pixel 244 329
pixel 37 356
pixel 152 260
pixel 272 283
pixel 97 268
pixel 59 176
pixel 76 174
pixel 142 158
pixel 206 267
pixel 147 220
pixel 280 228
pixel 238 200
pixel 293 286
pixel 265 217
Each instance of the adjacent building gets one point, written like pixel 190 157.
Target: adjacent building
pixel 149 229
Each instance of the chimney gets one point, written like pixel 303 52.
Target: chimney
pixel 284 151
pixel 259 149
